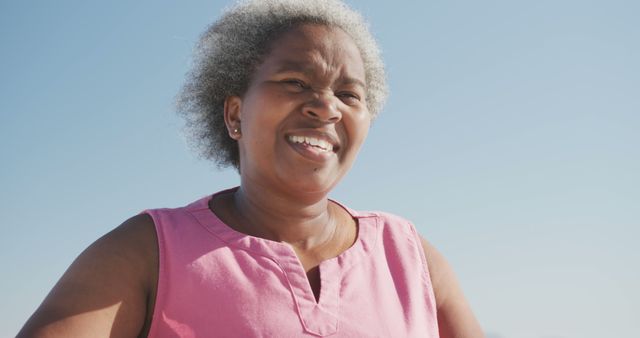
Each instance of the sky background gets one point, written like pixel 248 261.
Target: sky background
pixel 511 138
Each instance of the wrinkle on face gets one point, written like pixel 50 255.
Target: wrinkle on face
pixel 325 64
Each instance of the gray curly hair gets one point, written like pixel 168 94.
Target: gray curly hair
pixel 231 49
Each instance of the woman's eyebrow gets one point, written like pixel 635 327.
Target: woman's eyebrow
pixel 345 81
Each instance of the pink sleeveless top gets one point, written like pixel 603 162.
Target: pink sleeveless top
pixel 217 282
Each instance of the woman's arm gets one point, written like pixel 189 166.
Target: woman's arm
pixel 455 318
pixel 108 291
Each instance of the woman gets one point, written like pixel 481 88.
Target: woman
pixel 285 91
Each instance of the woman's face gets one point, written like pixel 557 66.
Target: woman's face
pixel 304 115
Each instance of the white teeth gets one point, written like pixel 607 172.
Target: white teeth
pixel 318 143
pixel 312 141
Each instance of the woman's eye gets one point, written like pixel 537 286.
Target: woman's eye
pixel 295 84
pixel 348 97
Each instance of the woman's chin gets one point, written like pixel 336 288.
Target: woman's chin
pixel 316 182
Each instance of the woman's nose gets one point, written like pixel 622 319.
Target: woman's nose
pixel 323 107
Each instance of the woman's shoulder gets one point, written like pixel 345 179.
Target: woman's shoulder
pixel 386 221
pixel 381 215
pixel 158 216
pixel 106 289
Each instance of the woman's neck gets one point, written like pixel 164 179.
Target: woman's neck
pixel 304 222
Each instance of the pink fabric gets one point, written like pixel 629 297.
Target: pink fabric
pixel 217 282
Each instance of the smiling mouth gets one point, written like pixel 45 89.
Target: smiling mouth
pixel 314 142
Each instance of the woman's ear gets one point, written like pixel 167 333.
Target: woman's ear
pixel 232 108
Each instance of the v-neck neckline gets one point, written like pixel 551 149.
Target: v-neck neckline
pixel 320 316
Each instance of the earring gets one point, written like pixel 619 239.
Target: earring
pixel 235 133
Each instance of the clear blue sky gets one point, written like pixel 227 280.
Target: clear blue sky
pixel 511 138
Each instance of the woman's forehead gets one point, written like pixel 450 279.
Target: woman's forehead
pixel 308 47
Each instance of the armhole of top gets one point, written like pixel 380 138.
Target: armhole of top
pixel 160 288
pixel 425 265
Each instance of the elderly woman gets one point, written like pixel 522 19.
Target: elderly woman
pixel 284 91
